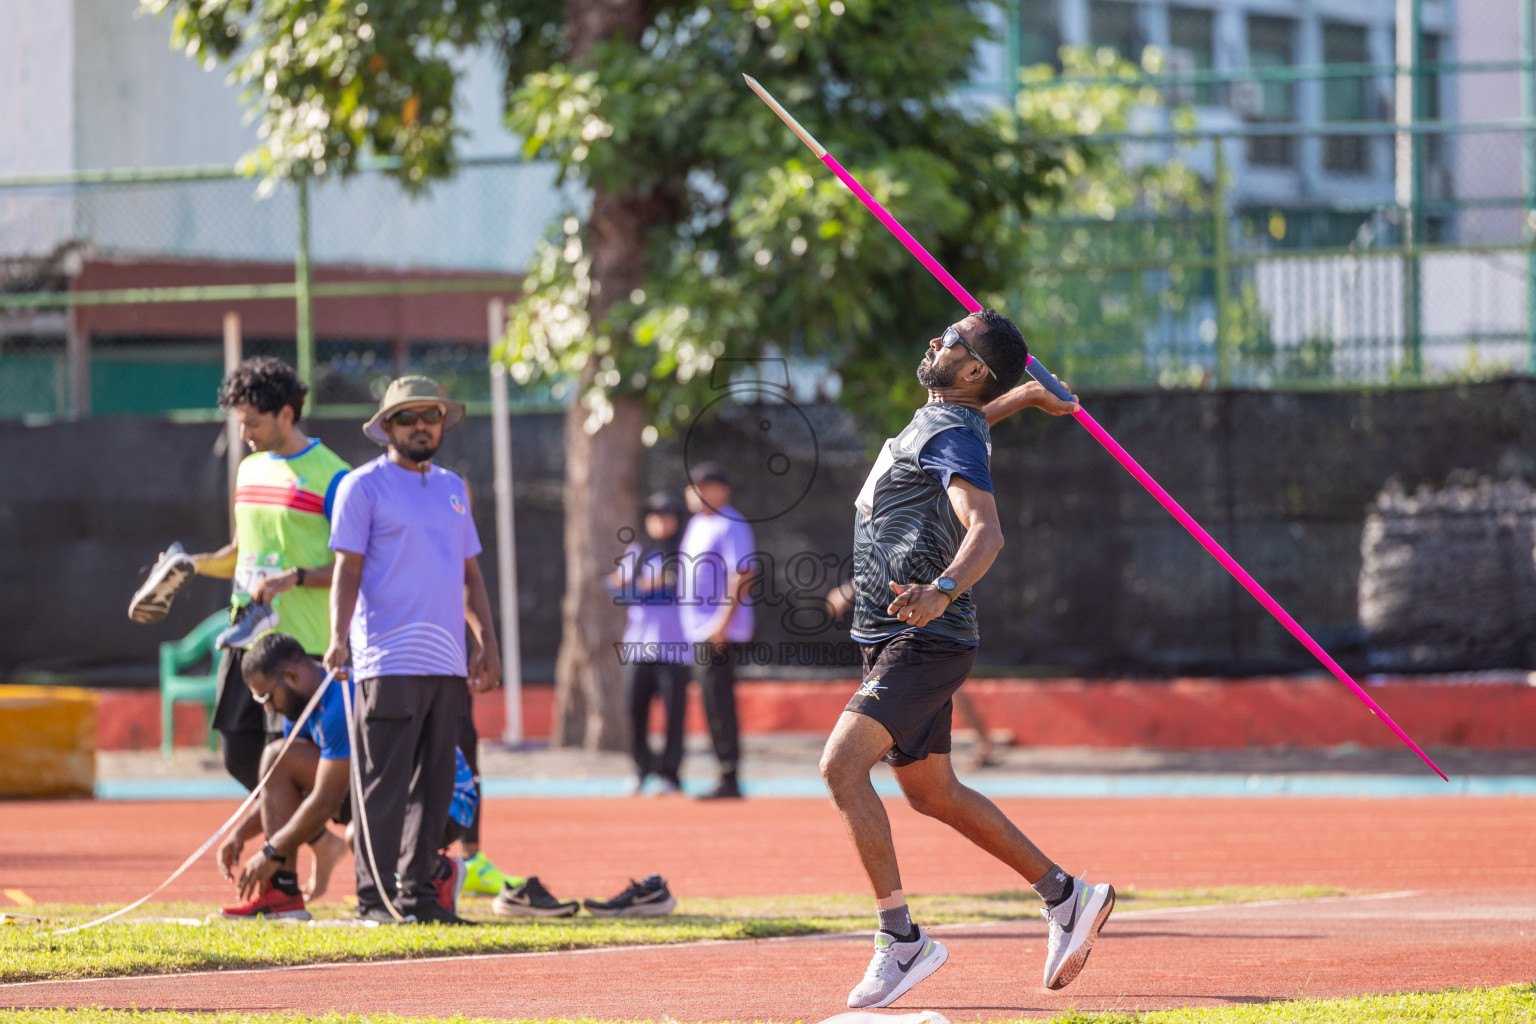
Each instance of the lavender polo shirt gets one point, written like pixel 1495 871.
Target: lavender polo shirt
pixel 713 546
pixel 652 602
pixel 414 532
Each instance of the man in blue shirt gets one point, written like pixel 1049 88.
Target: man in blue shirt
pixel 310 785
pixel 308 788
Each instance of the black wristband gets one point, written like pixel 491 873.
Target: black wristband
pixel 298 577
pixel 272 855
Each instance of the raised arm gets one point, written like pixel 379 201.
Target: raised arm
pixel 1023 397
pixel 219 564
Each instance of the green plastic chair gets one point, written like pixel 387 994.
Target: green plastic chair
pixel 175 657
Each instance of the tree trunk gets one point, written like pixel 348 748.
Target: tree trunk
pixel 602 465
pixel 600 473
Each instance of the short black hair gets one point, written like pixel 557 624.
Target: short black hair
pixel 1002 345
pixel 266 383
pixel 707 472
pixel 661 503
pixel 270 654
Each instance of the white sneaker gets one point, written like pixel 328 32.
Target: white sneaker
pixel 152 601
pixel 896 967
pixel 1074 924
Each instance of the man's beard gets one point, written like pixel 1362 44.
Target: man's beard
pixel 930 375
pixel 418 450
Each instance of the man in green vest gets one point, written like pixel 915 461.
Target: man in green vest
pixel 279 559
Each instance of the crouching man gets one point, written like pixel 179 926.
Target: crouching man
pixel 310 786
pixel 307 789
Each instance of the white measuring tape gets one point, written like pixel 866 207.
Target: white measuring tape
pixel 239 813
pixel 359 808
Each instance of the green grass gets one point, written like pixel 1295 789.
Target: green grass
pixel 1514 1004
pixel 139 946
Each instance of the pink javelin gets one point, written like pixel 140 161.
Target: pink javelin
pixel 1039 373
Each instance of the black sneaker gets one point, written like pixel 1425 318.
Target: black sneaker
pixel 727 789
pixel 433 913
pixel 380 915
pixel 531 899
pixel 649 898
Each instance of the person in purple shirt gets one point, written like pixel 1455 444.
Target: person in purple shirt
pixel 406 582
pixel 716 614
pixel 655 655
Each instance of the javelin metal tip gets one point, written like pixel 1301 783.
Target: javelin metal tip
pixel 784 115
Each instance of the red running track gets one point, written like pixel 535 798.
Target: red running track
pixel 1471 921
pixel 105 852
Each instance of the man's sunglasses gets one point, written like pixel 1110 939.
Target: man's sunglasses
pixel 431 417
pixel 952 338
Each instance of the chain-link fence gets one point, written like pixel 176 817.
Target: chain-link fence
pixel 1341 250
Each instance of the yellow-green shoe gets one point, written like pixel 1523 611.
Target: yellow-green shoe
pixel 482 877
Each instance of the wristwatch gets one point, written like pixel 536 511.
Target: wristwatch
pixel 948 587
pixel 272 855
pixel 298 576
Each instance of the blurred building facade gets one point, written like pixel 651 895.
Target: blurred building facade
pixel 1307 263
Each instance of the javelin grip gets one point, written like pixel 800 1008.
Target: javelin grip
pixel 1045 379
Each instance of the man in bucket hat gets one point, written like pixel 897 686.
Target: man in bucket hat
pixel 406 581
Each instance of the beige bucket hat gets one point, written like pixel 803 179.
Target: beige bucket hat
pixel 413 390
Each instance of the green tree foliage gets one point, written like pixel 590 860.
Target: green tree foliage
pixel 752 241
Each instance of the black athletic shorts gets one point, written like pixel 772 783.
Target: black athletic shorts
pixel 909 682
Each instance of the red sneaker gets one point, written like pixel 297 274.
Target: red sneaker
pixel 270 902
pixel 448 888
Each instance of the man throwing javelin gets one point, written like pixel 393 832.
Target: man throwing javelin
pixel 925 532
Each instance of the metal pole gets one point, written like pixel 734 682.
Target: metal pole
pixel 303 337
pixel 77 354
pixel 506 534
pixel 1528 110
pixel 1407 183
pixel 234 450
pixel 1223 268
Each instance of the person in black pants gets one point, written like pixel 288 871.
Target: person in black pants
pixel 655 655
pixel 406 583
pixel 242 724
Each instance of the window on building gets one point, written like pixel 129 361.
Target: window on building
pixel 1430 52
pixel 1116 25
pixel 1039 33
pixel 1271 44
pixel 1345 99
pixel 1191 43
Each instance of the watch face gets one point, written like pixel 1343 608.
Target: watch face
pixel 947 585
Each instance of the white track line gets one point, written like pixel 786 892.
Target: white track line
pixel 823 936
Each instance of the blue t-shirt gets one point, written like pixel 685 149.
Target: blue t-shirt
pixel 326 726
pixel 958 452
